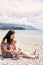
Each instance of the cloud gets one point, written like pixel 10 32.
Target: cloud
pixel 29 12
pixel 37 20
pixel 14 20
pixel 38 0
pixel 24 6
pixel 20 6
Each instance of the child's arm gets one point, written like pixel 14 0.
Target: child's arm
pixel 16 46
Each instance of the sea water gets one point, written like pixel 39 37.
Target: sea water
pixel 23 33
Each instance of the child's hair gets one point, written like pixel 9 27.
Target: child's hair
pixel 13 41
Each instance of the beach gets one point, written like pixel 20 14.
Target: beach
pixel 28 44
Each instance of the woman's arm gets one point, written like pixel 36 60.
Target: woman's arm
pixel 6 50
pixel 5 46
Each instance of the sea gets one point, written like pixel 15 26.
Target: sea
pixel 23 33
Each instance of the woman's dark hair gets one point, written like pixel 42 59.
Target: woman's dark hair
pixel 8 35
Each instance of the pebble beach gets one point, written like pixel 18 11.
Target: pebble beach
pixel 28 45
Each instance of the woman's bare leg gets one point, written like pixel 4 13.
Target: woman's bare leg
pixel 26 54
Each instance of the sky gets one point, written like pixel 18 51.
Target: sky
pixel 28 12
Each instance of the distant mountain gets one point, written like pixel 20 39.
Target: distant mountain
pixel 5 26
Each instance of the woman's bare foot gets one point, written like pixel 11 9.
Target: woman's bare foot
pixel 37 56
pixel 34 52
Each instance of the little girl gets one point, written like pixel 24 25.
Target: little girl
pixel 13 45
pixel 14 48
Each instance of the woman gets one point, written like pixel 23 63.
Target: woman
pixel 9 49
